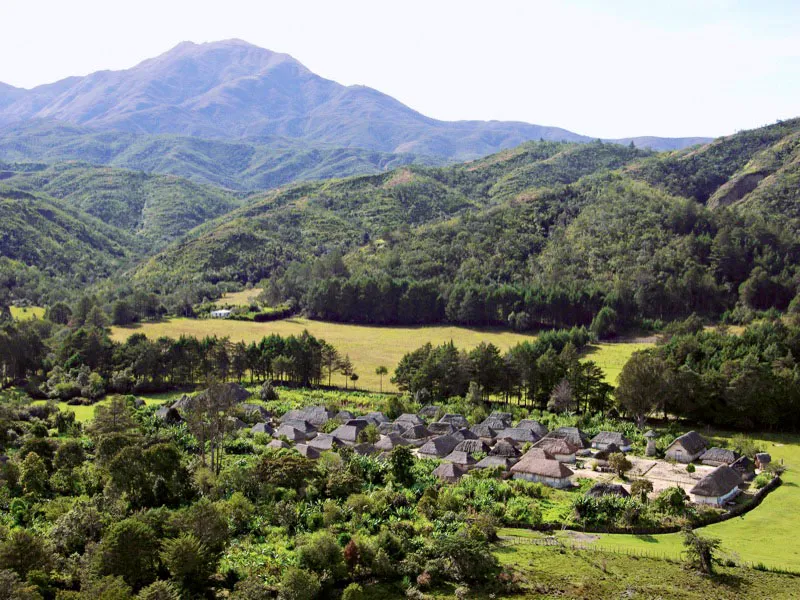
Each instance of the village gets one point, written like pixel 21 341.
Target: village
pixel 710 476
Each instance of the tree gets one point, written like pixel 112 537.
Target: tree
pixel 298 584
pixel 560 397
pixel 115 417
pixel 33 475
pixel 620 464
pixel 207 417
pixel 23 551
pixel 189 562
pixel 640 385
pixel 380 372
pixel 13 588
pixel 641 487
pixel 59 313
pixel 604 323
pixel 345 367
pixel 159 590
pixel 370 434
pixel 128 550
pixel 122 313
pixel 700 550
pixel 401 461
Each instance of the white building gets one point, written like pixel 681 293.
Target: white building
pixel 222 313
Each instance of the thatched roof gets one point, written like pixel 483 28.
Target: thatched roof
pixel 506 448
pixel 390 441
pixel 439 446
pixel 720 455
pixel 520 436
pixel 350 430
pixel 365 449
pixel 472 446
pixel 717 483
pixel 456 420
pixel 325 441
pixel 506 417
pixel 416 432
pixel 410 418
pixel 763 458
pixel 607 489
pixel 556 446
pixel 343 416
pixel 611 437
pixel 300 424
pixel 692 442
pixel 573 435
pixel 534 426
pixel 307 451
pixel 606 452
pixel 386 428
pixel 262 428
pixel 483 431
pixel 316 415
pixel 460 458
pixel 495 423
pixel 541 467
pixel 278 444
pixel 745 467
pixel 238 393
pixel 449 471
pixel 464 434
pixel 492 462
pixel 429 412
pixel 439 428
pixel 249 408
pixel 377 417
pixel 539 453
pixel 290 433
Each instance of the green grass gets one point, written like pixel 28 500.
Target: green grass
pixel 242 298
pixel 84 414
pixel 24 313
pixel 768 535
pixel 367 346
pixel 611 357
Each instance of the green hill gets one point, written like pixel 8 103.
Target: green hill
pixel 160 209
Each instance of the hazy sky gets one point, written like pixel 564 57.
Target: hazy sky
pixel 605 68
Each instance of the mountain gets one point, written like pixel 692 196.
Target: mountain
pixel 242 165
pixel 233 90
pixel 160 209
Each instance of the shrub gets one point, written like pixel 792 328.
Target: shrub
pixel 761 480
pixel 320 553
pixel 353 592
pixel 128 551
pixel 297 584
pixel 268 392
pixel 188 561
pixel 159 590
pixel 690 468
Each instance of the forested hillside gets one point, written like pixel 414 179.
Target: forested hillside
pixel 545 234
pixel 160 209
pixel 242 165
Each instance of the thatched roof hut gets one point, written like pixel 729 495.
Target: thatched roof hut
pixel 438 447
pixel 601 489
pixel 449 472
pixel 719 486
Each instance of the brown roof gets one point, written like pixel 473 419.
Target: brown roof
pixel 490 462
pixel 543 467
pixel 472 446
pixel 439 446
pixel 607 489
pixel 390 441
pixel 555 446
pixel 722 455
pixel 717 483
pixel 506 448
pixel 448 470
pixel 460 457
pixel 692 442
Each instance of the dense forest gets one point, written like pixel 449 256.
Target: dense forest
pixel 548 234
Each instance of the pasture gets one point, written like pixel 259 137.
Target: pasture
pixel 25 313
pixel 368 346
pixel 242 298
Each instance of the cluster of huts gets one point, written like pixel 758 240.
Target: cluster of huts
pixel 522 450
pixel 724 482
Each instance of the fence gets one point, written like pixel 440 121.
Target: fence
pixel 575 545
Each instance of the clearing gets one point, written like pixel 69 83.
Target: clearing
pixel 25 313
pixel 369 346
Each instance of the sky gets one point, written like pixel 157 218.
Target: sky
pixel 608 68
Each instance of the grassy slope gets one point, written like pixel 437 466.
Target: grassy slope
pixel 25 313
pixel 368 347
pixel 765 535
pixel 612 357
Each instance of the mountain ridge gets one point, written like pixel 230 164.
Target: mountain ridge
pixel 233 90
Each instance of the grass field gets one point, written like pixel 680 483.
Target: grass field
pixel 612 357
pixel 368 346
pixel 86 413
pixel 243 298
pixel 23 313
pixel 767 535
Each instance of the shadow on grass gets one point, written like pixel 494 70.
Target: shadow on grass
pixel 646 537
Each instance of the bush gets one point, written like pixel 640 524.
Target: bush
pixel 762 480
pixel 690 468
pixel 188 561
pixel 297 584
pixel 353 592
pixel 128 551
pixel 159 590
pixel 268 392
pixel 321 553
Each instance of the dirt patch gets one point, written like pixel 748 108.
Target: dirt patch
pixel 400 177
pixel 579 536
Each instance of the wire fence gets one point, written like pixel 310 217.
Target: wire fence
pixel 592 546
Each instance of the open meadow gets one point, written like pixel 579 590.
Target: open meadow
pixel 368 346
pixel 24 313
